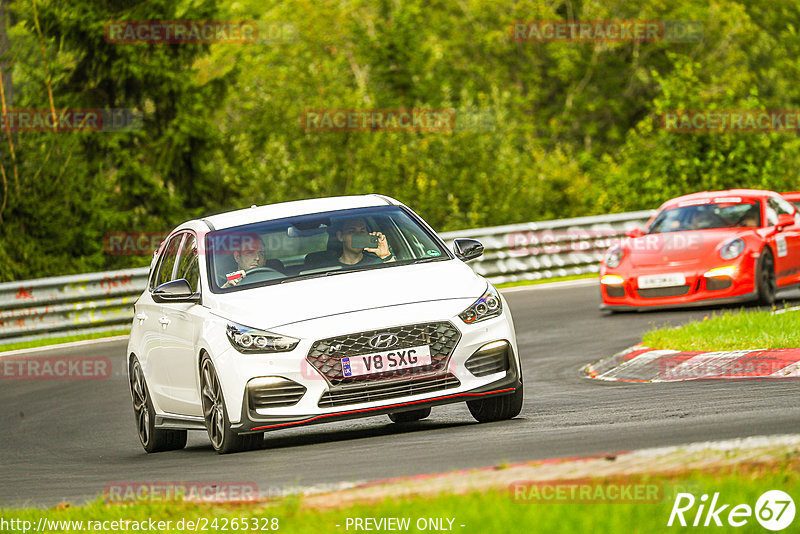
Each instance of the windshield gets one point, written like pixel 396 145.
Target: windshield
pixel 707 216
pixel 320 244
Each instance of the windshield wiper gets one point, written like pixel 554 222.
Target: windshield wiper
pixel 314 275
pixel 426 260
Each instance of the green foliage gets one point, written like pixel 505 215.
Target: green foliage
pixel 573 128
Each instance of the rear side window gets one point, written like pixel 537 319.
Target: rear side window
pixel 166 262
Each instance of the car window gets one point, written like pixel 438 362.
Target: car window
pixel 288 249
pixel 167 261
pixel 188 265
pixel 707 216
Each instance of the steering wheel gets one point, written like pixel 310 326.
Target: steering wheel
pixel 261 270
pixel 263 273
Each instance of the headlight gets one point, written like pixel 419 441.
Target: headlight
pixel 246 339
pixel 614 257
pixel 486 307
pixel 731 249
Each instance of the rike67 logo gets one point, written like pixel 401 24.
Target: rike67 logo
pixel 774 510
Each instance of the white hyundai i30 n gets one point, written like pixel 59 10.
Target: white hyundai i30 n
pixel 313 311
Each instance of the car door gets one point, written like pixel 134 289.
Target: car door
pixel 176 354
pixel 148 314
pixel 787 243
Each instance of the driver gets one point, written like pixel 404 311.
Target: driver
pixel 251 255
pixel 352 255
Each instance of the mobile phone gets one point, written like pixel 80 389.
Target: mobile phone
pixel 364 241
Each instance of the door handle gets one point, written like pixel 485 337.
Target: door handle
pixel 164 321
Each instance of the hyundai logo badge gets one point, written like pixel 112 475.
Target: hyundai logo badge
pixel 383 341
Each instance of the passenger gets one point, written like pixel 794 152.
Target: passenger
pixel 752 219
pixel 353 255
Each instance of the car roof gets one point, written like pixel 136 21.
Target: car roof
pixel 294 208
pixel 749 194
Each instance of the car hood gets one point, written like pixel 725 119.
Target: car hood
pixel 673 249
pixel 302 300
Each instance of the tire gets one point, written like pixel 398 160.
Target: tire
pixel 497 408
pixel 765 278
pixel 409 416
pixel 152 439
pixel 223 439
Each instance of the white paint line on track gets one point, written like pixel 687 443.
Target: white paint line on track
pixel 553 285
pixel 63 346
pixel 784 310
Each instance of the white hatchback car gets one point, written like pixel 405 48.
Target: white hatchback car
pixel 312 311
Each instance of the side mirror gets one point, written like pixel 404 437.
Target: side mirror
pixel 175 291
pixel 784 220
pixel 467 249
pixel 634 233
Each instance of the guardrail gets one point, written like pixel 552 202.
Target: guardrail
pixel 94 302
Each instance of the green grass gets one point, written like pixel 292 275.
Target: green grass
pixel 548 280
pixel 488 512
pixel 63 339
pixel 730 330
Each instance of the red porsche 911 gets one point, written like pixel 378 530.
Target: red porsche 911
pixel 705 249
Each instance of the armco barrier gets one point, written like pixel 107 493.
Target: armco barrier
pixel 93 302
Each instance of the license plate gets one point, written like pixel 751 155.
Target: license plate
pixel 661 280
pixel 388 360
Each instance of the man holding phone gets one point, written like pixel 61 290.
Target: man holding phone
pixel 360 247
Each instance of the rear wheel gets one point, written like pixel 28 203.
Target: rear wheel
pixel 409 416
pixel 152 439
pixel 223 439
pixel 497 408
pixel 765 276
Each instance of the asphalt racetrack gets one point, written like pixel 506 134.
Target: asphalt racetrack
pixel 65 440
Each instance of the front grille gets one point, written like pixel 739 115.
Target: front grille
pixel 487 362
pixel 276 395
pixel 674 291
pixel 718 283
pixel 325 355
pixel 385 389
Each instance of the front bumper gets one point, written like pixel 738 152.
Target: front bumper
pixel 321 397
pixel 253 422
pixel 698 290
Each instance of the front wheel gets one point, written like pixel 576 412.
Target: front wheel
pixel 765 277
pixel 497 408
pixel 223 439
pixel 152 439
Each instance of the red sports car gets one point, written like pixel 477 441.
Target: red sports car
pixel 704 249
